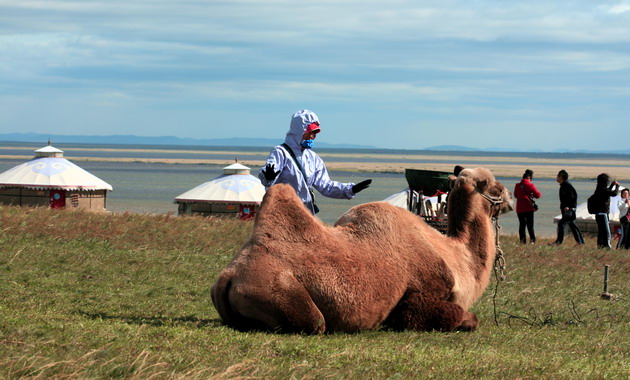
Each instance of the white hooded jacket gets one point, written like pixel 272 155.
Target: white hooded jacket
pixel 317 175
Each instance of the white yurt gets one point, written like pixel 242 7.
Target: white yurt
pixel 51 180
pixel 236 193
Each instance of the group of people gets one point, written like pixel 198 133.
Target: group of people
pixel 526 192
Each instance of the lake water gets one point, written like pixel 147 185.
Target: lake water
pixel 152 187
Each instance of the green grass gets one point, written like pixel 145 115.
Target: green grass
pixel 127 296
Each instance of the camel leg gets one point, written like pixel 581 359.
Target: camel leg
pixel 426 313
pixel 282 305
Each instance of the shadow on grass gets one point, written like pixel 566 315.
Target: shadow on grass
pixel 156 321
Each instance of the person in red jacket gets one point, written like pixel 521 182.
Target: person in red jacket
pixel 525 192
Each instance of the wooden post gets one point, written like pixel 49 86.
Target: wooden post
pixel 605 295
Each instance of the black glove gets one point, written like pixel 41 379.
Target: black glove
pixel 361 186
pixel 270 172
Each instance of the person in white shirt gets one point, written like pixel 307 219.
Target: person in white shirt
pixel 624 205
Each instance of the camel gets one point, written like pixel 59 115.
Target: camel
pixel 378 265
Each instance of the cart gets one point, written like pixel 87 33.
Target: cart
pixel 425 184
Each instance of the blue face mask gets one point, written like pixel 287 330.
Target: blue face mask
pixel 307 144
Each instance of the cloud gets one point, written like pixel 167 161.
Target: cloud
pixel 452 61
pixel 620 8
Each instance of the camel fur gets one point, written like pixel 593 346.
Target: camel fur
pixel 378 265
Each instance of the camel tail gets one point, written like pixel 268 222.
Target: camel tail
pixel 220 297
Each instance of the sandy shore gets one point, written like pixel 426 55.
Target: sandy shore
pixel 507 166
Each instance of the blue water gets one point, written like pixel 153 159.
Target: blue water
pixel 330 155
pixel 151 188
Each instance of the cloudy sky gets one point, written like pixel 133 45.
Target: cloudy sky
pixel 394 74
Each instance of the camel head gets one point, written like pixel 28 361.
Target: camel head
pixel 482 181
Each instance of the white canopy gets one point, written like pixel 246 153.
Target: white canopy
pixel 233 188
pixel 401 199
pixel 49 170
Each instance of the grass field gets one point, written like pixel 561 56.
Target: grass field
pixel 127 296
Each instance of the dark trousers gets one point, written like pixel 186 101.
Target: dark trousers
pixel 526 220
pixel 568 218
pixel 624 241
pixel 603 231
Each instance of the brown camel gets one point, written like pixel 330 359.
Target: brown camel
pixel 379 265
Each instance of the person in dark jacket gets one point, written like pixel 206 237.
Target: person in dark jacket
pixel 603 192
pixel 568 203
pixel 525 192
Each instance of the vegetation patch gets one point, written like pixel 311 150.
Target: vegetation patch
pixel 127 296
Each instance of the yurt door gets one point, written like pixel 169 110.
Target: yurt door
pixel 57 199
pixel 246 212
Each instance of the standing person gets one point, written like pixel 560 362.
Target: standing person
pixel 568 203
pixel 602 195
pixel 525 192
pixel 296 164
pixel 624 207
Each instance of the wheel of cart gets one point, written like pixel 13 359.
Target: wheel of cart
pixel 424 185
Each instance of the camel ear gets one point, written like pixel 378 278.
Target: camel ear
pixel 466 177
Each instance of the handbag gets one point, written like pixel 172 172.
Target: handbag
pixel 568 215
pixel 531 200
pixel 297 163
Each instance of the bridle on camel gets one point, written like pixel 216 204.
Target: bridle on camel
pixel 499 259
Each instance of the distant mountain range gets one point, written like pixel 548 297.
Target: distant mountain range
pixel 158 140
pixel 459 148
pixel 246 142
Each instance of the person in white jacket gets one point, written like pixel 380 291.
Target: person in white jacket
pixel 296 164
pixel 623 204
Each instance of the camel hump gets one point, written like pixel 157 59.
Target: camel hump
pixel 283 215
pixel 375 219
pixel 281 191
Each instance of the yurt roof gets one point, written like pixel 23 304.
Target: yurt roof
pixel 236 168
pixel 228 188
pixel 49 170
pixel 49 151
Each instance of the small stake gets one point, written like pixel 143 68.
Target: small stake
pixel 605 295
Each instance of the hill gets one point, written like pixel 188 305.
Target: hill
pixel 158 140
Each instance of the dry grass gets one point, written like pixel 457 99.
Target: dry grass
pixel 127 296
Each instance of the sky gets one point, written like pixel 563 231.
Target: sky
pixel 400 74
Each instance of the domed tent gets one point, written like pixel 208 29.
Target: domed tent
pixel 235 193
pixel 50 180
